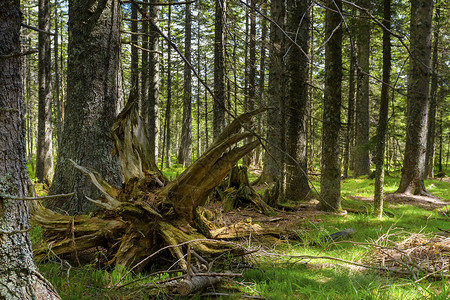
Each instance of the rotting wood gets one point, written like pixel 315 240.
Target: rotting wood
pixel 196 283
pixel 148 212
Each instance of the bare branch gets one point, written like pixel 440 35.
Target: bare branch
pixel 10 197
pixel 37 29
pixel 18 54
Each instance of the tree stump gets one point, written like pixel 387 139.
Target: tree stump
pixel 148 212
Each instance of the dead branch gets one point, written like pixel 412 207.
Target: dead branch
pixel 10 197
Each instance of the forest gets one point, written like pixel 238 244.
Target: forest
pixel 246 149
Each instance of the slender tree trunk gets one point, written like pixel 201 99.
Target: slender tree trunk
pixel 169 94
pixel 441 138
pixel 251 79
pixel 91 106
pixel 429 158
pixel 185 149
pixel 44 157
pixel 383 116
pixel 199 104
pixel 134 52
pixel 273 157
pixel 58 100
pixel 330 180
pixel 206 108
pixel 361 158
pixel 19 277
pixel 350 113
pixel 413 171
pixel 153 89
pixel 262 85
pixel 297 26
pixel 144 72
pixel 219 68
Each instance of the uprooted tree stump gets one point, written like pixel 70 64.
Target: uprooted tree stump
pixel 148 212
pixel 236 191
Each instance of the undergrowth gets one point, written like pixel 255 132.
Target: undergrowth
pixel 285 277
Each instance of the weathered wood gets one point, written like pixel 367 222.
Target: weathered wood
pixel 196 283
pixel 148 213
pixel 238 192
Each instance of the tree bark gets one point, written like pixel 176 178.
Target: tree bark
pixel 248 159
pixel 185 149
pixel 413 171
pixel 167 137
pixel 153 89
pixel 19 276
pixel 219 68
pixel 144 69
pixel 383 115
pixel 262 86
pixel 92 97
pixel 361 154
pixel 350 114
pixel 431 134
pixel 134 52
pixel 330 180
pixel 273 158
pixel 297 22
pixel 58 99
pixel 44 157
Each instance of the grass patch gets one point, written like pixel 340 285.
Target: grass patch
pixel 283 278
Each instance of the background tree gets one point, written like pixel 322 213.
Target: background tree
pixel 185 149
pixel 273 156
pixel 384 109
pixel 219 68
pixel 297 26
pixel 330 179
pixel 19 277
pixel 44 157
pixel 431 133
pixel 92 97
pixel 413 171
pixel 154 81
pixel 361 153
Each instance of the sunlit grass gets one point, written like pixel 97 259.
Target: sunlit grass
pixel 284 278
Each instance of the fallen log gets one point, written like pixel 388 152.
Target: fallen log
pixel 196 283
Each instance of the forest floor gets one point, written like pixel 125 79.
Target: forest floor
pixel 302 264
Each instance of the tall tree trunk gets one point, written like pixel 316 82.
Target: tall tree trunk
pixel 413 171
pixel 185 149
pixel 58 100
pixel 91 106
pixel 330 180
pixel 273 157
pixel 429 158
pixel 361 158
pixel 144 68
pixel 199 104
pixel 262 85
pixel 248 159
pixel 350 113
pixel 219 69
pixel 383 116
pixel 19 277
pixel 153 89
pixel 44 157
pixel 297 26
pixel 169 95
pixel 134 52
pixel 206 107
